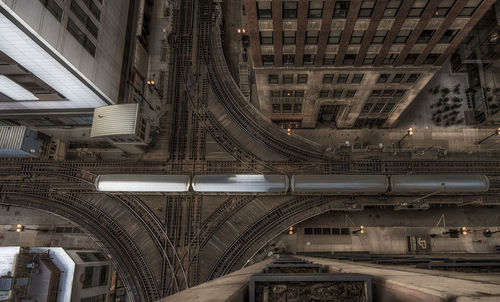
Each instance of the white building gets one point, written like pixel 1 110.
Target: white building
pixel 55 274
pixel 60 59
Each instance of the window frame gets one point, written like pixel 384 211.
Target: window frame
pixel 341 12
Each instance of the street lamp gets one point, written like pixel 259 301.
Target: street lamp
pixel 21 228
pixel 408 133
pixel 361 230
pixel 497 132
pixel 464 230
pixel 152 85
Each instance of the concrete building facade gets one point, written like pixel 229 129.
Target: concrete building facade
pixel 55 274
pixel 60 59
pixel 353 63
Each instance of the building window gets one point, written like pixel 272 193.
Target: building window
pixel 357 78
pixel 379 36
pixel 350 93
pixel 267 60
pixel 448 36
pixel 431 58
pixel 287 108
pixel 264 10
pixel 81 37
pixel 412 78
pixel 266 37
pixel 328 78
pixel 287 78
pixel 425 36
pixel 315 9
pixel 290 10
pixel 288 59
pixel 369 59
pixel 94 9
pixel 400 92
pixel 390 58
pixel 289 37
pixel 297 108
pixel 375 93
pixel 91 256
pixel 388 107
pixel 302 79
pixel 388 92
pixel 53 8
pixel 443 8
pixel 308 59
pixel 337 94
pixel 342 78
pixel 378 107
pixel 383 78
pixel 341 9
pixel 398 77
pixel 329 59
pixel 417 8
pixel 391 9
pixel 98 298
pixel 357 36
pixel 402 37
pixel 273 79
pixel 86 20
pixel 275 93
pixel 312 37
pixel 367 107
pixel 324 93
pixel 366 9
pixel 334 36
pixel 410 58
pixel 95 276
pixel 469 8
pixel 276 108
pixel 299 93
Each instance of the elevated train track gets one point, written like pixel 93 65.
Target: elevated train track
pixel 64 188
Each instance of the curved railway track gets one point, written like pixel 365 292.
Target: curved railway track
pixel 254 232
pixel 138 278
pixel 230 96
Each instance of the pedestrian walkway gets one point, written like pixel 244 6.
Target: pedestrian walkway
pixel 451 139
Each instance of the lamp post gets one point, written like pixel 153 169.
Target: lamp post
pixel 152 85
pixel 497 132
pixel 21 228
pixel 408 133
pixel 138 92
pixel 360 231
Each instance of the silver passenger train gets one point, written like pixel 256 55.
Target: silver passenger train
pixel 296 184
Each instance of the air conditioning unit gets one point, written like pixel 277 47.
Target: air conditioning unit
pixel 122 125
pixel 19 141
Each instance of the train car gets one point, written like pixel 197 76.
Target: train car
pixel 339 184
pixel 142 183
pixel 439 183
pixel 240 183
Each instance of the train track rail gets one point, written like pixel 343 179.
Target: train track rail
pixel 254 232
pixel 230 96
pixel 131 264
